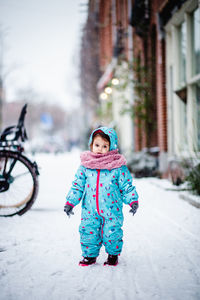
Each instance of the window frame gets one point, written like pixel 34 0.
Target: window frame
pixel 177 144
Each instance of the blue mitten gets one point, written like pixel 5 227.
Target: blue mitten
pixel 134 208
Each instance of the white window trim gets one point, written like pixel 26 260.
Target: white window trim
pixel 174 130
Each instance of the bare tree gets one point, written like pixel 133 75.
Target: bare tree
pixel 1 73
pixel 89 68
pixel 5 70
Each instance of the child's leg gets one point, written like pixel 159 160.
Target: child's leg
pixel 112 238
pixel 90 236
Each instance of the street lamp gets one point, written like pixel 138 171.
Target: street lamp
pixel 103 96
pixel 115 81
pixel 108 90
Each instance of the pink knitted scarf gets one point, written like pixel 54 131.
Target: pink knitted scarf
pixel 110 160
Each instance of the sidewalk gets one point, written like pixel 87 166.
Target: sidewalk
pixel 40 251
pixel 183 194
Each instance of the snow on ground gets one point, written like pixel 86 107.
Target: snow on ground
pixel 40 251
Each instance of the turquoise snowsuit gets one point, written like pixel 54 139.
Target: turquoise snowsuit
pixel 102 193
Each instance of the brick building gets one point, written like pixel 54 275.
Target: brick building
pixel 115 54
pixel 153 48
pixel 149 51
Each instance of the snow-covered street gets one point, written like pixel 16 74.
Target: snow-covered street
pixel 40 251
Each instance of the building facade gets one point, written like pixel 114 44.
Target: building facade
pixel 115 56
pixel 151 50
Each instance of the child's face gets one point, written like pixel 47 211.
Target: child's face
pixel 100 145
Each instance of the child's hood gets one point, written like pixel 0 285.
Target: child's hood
pixel 112 135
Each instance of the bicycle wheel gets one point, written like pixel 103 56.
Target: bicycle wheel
pixel 18 183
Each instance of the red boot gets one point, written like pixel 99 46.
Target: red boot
pixel 87 261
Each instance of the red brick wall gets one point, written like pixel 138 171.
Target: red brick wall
pixel 122 17
pixel 153 47
pixel 110 17
pixel 105 16
pixel 161 82
pixel 161 97
pixel 148 48
pixel 138 54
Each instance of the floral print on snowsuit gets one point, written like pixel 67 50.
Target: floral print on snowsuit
pixel 102 192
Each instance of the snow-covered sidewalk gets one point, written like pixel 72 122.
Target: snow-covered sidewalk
pixel 39 251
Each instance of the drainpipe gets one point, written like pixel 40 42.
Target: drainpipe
pixel 131 75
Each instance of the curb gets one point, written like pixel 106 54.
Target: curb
pixel 183 194
pixel 190 199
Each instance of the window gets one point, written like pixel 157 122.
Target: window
pixel 183 53
pixel 198 114
pixel 196 41
pixel 183 125
pixel 182 84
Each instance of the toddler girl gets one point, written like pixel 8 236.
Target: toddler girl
pixel 103 183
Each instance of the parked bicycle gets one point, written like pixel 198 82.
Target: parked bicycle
pixel 18 174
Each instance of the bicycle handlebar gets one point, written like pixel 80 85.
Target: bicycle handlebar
pixel 18 131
